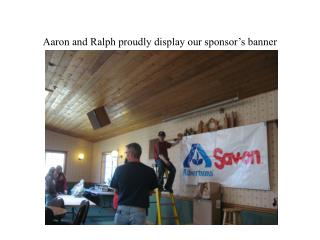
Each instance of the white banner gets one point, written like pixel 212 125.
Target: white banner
pixel 235 157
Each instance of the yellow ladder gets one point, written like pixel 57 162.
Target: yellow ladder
pixel 159 204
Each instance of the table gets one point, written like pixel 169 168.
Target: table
pixel 102 196
pixel 72 201
pixel 105 199
pixel 57 211
pixel 99 192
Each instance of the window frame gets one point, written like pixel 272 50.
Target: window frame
pixel 103 165
pixel 65 158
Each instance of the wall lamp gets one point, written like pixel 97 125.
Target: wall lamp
pixel 114 153
pixel 81 156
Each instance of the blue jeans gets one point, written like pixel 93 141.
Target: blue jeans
pixel 161 169
pixel 127 215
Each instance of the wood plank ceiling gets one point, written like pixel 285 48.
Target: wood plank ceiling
pixel 142 88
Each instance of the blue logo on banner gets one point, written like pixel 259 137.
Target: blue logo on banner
pixel 197 155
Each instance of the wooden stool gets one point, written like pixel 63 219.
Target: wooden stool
pixel 231 216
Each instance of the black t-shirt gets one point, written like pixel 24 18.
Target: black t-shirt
pixel 134 181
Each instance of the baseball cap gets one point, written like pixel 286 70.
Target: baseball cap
pixel 162 133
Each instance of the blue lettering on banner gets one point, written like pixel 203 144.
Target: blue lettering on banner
pixel 197 173
pixel 197 156
pixel 197 149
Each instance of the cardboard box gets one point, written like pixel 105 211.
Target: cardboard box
pixel 207 190
pixel 207 211
pixel 213 188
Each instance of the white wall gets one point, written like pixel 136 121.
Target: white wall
pixel 259 108
pixel 75 169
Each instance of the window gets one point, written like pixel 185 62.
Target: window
pixel 108 166
pixel 53 159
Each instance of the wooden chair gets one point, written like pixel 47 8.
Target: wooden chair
pixel 81 215
pixel 231 216
pixel 87 205
pixel 57 202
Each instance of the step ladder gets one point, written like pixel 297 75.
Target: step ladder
pixel 159 204
pixel 172 203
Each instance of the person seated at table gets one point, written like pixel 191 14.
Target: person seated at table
pixel 61 181
pixel 51 192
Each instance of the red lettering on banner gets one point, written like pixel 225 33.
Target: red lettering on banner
pixel 228 157
pixel 237 158
pixel 258 157
pixel 247 156
pixel 223 159
pixel 219 158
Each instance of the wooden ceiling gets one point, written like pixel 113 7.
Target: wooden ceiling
pixel 142 88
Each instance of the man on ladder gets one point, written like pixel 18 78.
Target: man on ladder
pixel 163 162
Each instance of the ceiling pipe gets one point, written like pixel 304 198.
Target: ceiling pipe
pixel 202 109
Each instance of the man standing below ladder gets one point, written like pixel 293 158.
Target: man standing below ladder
pixel 163 161
pixel 134 182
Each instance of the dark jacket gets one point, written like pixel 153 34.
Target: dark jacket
pixel 50 185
